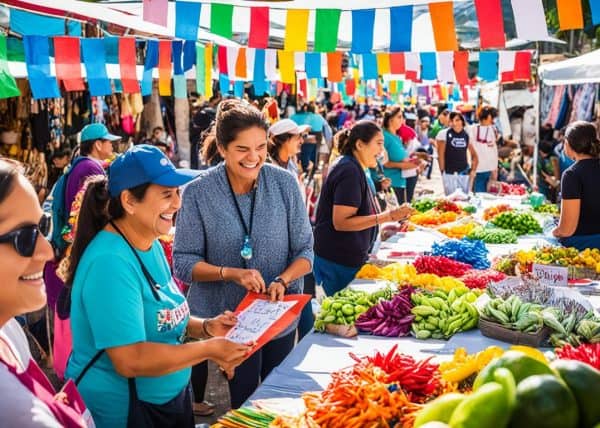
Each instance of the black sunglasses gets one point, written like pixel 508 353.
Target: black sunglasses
pixel 25 238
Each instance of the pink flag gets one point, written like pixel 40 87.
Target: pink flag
pixel 156 11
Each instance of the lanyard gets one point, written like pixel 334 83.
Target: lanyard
pixel 246 251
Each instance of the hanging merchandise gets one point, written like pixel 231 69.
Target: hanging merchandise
pixel 583 102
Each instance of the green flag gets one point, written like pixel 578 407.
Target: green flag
pixel 221 18
pixel 8 85
pixel 326 30
pixel 200 72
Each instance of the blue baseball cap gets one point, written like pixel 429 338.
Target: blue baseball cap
pixel 143 164
pixel 97 131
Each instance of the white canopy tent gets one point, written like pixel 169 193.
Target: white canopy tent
pixel 581 69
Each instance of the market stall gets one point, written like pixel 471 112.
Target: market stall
pixel 436 310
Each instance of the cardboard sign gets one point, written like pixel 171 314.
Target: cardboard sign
pixel 551 275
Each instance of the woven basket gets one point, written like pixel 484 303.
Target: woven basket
pixel 499 332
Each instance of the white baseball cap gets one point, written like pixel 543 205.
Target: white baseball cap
pixel 287 126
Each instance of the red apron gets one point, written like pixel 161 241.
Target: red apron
pixel 72 413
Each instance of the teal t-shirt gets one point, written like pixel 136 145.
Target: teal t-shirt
pixel 396 153
pixel 112 305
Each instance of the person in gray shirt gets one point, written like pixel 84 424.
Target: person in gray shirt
pixel 243 227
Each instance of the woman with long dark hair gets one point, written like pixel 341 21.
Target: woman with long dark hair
pixel 243 227
pixel 348 215
pixel 580 206
pixel 129 320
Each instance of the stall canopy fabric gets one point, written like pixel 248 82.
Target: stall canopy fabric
pixel 582 69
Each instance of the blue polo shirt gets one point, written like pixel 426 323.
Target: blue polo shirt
pixel 396 153
pixel 112 305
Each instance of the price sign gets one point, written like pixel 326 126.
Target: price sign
pixel 551 275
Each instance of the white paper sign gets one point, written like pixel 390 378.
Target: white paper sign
pixel 551 275
pixel 256 319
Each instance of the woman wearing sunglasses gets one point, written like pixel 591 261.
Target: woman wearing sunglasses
pixel 129 319
pixel 28 398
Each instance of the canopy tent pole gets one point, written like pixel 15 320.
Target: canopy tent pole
pixel 537 117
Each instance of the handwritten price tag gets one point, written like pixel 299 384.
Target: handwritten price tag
pixel 551 275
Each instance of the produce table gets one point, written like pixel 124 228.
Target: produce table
pixel 317 355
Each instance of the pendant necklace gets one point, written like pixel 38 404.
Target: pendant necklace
pixel 246 251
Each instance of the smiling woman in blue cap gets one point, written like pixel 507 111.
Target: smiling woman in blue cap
pixel 129 319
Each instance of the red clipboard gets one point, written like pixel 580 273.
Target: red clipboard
pixel 282 323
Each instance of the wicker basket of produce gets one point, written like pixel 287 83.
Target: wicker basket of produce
pixel 497 331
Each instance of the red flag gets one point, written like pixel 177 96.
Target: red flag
pixel 164 67
pixel 222 59
pixel 461 67
pixel 127 58
pixel 259 27
pixel 303 87
pixel 334 66
pixel 68 63
pixel 522 66
pixel 397 63
pixel 491 23
pixel 350 87
pixel 465 93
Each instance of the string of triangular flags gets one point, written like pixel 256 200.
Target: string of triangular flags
pixel 529 16
pixel 232 65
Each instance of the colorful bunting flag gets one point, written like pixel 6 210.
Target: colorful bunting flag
pixel 250 58
pixel 232 56
pixel 151 62
pixel 570 14
pixel 68 63
pixel 8 84
pixel 296 30
pixel 401 17
pixel 208 68
pixel 350 87
pixel 200 68
pixel 240 64
pixel 238 89
pixel 259 27
pixel 177 57
pixel 127 65
pixel 397 64
pixel 164 67
pixel 461 67
pixel 260 84
pixel 156 11
pixel 94 58
pixel 187 19
pixel 488 66
pixel 442 21
pixel 530 20
pixel 179 86
pixel 413 66
pixel 111 47
pixel 299 61
pixel 312 61
pixel 222 59
pixel 334 66
pixel 523 66
pixel 445 67
pixel 326 29
pixel 271 64
pixel 506 66
pixel 189 54
pixel 383 63
pixel 37 59
pixel 224 84
pixel 28 23
pixel 221 19
pixel 429 66
pixel 491 23
pixel 369 65
pixel 286 66
pixel 363 21
pixel 595 9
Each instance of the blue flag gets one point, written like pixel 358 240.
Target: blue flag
pixel 429 64
pixel 401 19
pixel 488 66
pixel 312 64
pixel 94 59
pixel 187 20
pixel 37 59
pixel 362 30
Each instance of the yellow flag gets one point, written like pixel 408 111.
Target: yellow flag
pixel 393 87
pixel 296 30
pixel 208 65
pixel 286 66
pixel 383 63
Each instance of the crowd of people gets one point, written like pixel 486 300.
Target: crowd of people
pixel 132 342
